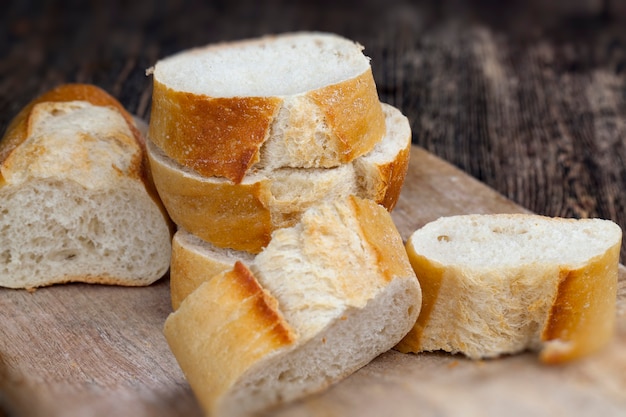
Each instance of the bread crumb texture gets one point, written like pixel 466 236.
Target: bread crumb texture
pixel 73 206
pixel 501 284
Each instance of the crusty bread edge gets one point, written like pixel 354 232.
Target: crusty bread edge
pixel 181 125
pixel 235 299
pixel 582 318
pixel 184 193
pixel 18 129
pixel 572 329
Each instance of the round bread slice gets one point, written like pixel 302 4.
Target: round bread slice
pixel 76 201
pixel 243 215
pixel 501 284
pixel 303 100
pixel 322 300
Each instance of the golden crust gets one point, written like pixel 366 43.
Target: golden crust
pixel 582 318
pixel 239 216
pixel 223 213
pixel 189 269
pixel 228 313
pixel 218 137
pixel 581 310
pixel 391 179
pixel 222 137
pixel 383 237
pixel 430 276
pixel 353 110
pixel 19 128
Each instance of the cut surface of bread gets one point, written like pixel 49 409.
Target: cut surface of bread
pixel 303 100
pixel 337 291
pixel 74 204
pixel 501 284
pixel 243 215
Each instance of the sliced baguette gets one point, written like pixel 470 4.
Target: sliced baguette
pixel 303 100
pixel 322 300
pixel 76 201
pixel 501 284
pixel 243 215
pixel 195 261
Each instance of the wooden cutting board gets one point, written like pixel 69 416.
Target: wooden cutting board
pixel 87 350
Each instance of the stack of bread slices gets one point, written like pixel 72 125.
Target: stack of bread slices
pixel 279 165
pixel 266 128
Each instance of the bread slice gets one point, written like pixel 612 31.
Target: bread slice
pixel 195 261
pixel 501 284
pixel 322 300
pixel 76 203
pixel 303 100
pixel 243 215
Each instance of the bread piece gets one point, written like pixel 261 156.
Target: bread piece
pixel 501 284
pixel 76 203
pixel 242 216
pixel 195 261
pixel 322 300
pixel 303 100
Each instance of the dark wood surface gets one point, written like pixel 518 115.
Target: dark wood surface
pixel 528 98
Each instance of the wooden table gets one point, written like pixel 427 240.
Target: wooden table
pixel 527 98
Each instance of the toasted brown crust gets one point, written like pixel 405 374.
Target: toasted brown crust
pixel 222 137
pixel 395 174
pixel 353 110
pixel 223 213
pixel 230 312
pixel 265 305
pixel 189 268
pixel 239 216
pixel 430 281
pixel 18 130
pixel 392 176
pixel 218 137
pixel 383 237
pixel 582 317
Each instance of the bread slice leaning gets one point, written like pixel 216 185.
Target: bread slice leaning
pixel 302 100
pixel 501 284
pixel 76 201
pixel 243 215
pixel 322 300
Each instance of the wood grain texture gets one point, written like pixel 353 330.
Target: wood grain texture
pixel 87 350
pixel 526 96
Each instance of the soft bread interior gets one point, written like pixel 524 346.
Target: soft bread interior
pixel 73 204
pixel 270 66
pixel 484 243
pixel 60 232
